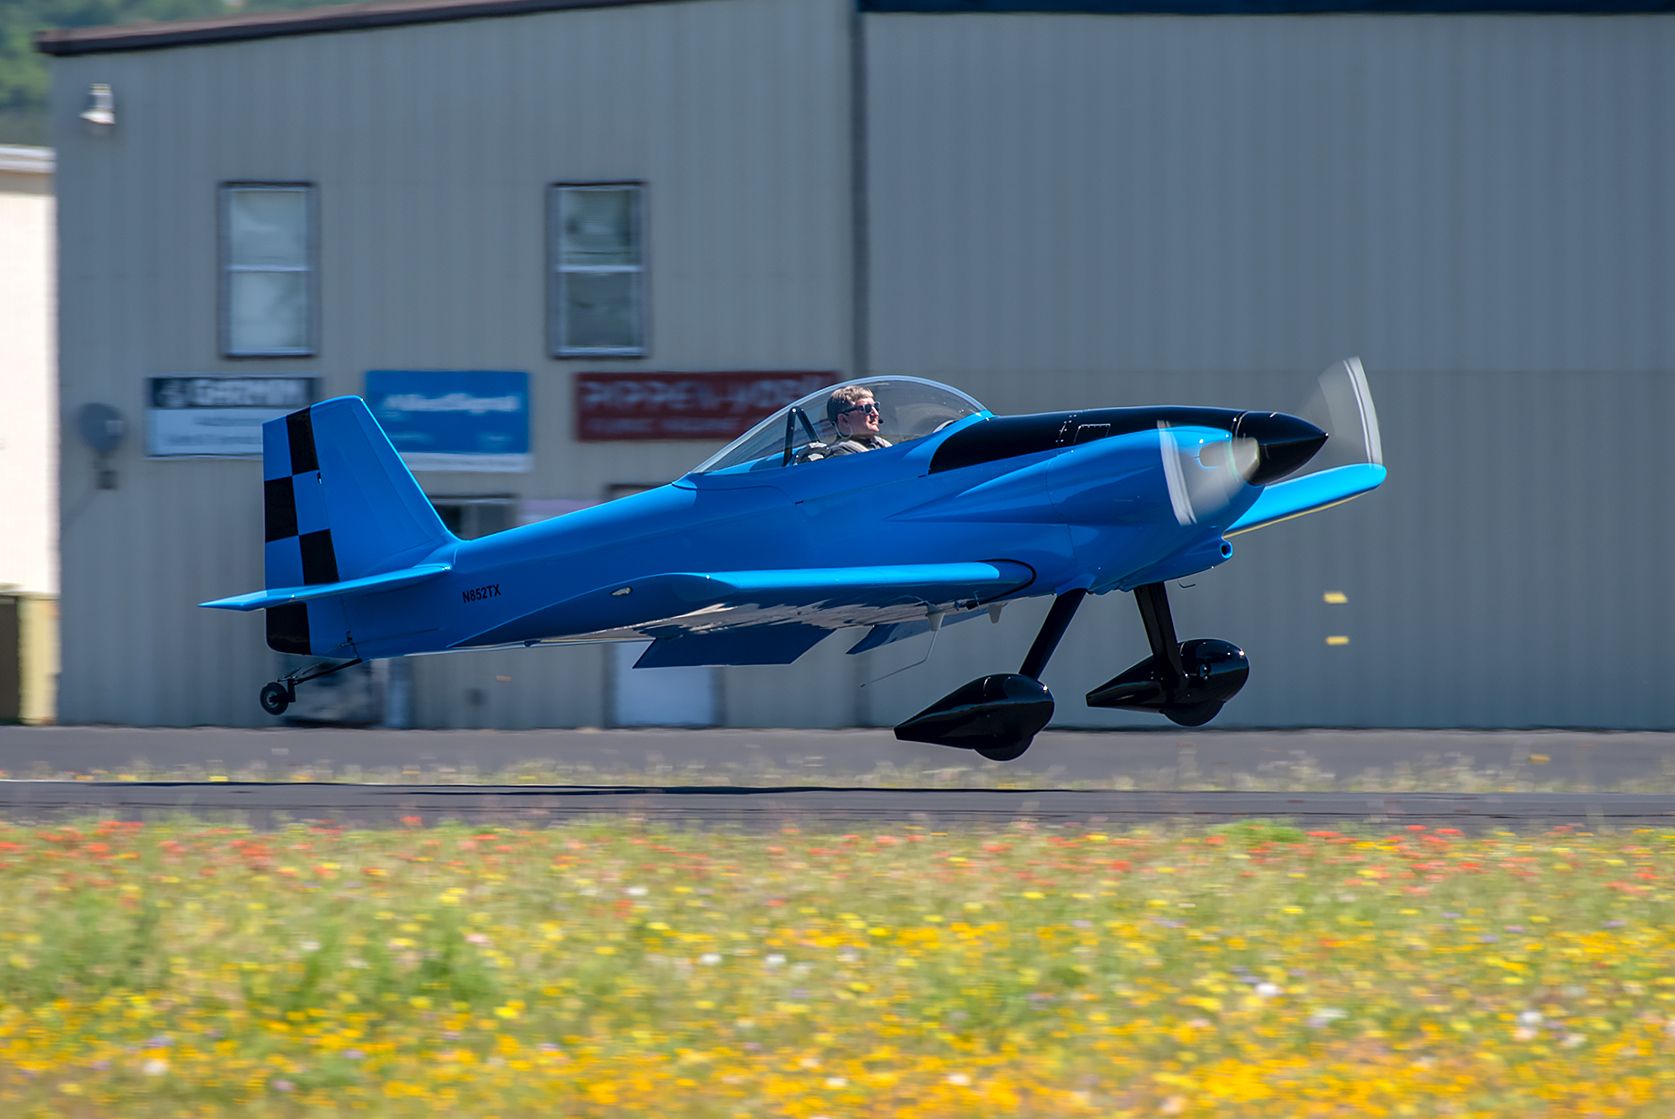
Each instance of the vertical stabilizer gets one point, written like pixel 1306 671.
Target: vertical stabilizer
pixel 338 503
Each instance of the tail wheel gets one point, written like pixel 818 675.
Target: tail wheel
pixel 275 699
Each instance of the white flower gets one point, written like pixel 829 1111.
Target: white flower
pixel 310 946
pixel 157 1066
pixel 709 959
pixel 635 891
pixel 1267 990
pixel 836 1082
pixel 959 1079
pixel 775 960
pixel 1530 1018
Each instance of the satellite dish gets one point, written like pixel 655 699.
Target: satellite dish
pixel 101 426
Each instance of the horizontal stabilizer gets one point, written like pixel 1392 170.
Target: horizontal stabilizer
pixel 1308 494
pixel 284 596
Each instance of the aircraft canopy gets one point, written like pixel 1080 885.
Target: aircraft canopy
pixel 908 408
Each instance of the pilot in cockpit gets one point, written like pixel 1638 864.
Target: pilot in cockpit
pixel 854 414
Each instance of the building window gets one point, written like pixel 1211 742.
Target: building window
pixel 267 269
pixel 470 518
pixel 597 291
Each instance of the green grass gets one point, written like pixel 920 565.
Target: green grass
pixel 612 968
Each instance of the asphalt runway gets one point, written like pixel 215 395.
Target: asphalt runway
pixel 762 779
pixel 1345 759
pixel 774 808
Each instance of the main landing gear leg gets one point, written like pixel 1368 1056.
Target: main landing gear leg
pixel 1052 632
pixel 1153 601
pixel 1186 683
pixel 998 716
pixel 280 694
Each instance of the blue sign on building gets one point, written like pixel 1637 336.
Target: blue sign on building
pixel 454 419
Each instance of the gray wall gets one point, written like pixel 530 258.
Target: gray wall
pixel 1115 210
pixel 432 147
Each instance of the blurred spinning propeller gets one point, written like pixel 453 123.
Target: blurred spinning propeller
pixel 1204 473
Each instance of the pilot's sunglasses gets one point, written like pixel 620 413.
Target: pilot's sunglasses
pixel 872 408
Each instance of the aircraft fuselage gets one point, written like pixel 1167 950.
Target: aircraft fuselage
pixel 1078 498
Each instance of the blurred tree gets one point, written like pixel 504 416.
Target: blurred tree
pixel 23 70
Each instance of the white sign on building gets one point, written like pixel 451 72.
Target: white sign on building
pixel 213 416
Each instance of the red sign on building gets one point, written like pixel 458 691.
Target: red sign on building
pixel 703 406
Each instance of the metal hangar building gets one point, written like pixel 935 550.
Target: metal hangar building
pixel 571 245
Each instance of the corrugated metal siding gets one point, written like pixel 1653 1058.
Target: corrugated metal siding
pixel 1114 194
pixel 432 148
pixel 1076 210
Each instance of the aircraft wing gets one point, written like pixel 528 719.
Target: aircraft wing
pixel 1308 494
pixel 759 617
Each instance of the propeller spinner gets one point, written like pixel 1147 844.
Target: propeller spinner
pixel 1264 447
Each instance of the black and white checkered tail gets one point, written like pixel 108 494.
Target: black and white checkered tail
pixel 338 504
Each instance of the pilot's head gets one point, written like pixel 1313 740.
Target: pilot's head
pixel 852 411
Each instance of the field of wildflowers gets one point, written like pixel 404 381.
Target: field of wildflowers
pixel 616 969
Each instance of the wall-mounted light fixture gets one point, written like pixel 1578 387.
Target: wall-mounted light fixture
pixel 101 107
pixel 101 427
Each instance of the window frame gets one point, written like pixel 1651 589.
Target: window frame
pixel 557 270
pixel 469 511
pixel 311 267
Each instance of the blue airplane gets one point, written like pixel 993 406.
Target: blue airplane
pixel 787 534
